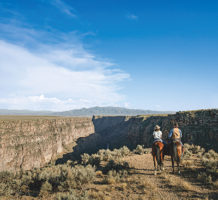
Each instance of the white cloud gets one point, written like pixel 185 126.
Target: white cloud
pixel 65 8
pixel 42 102
pixel 132 17
pixel 67 77
pixel 38 103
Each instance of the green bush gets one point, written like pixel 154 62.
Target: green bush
pixel 139 150
pixel 187 153
pixel 210 161
pixel 114 177
pixel 5 189
pixel 205 178
pixel 46 188
pixel 85 159
pixel 116 165
pixel 211 154
pixel 124 151
pixel 93 160
pixel 104 155
pixel 8 184
pixel 46 180
pixel 194 149
pixel 83 175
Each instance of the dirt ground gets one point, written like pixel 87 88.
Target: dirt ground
pixel 167 185
pixel 141 183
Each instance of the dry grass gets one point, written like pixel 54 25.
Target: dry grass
pixel 215 184
pixel 148 184
pixel 114 179
pixel 178 183
pixel 187 163
pixel 204 178
pixel 99 174
pixel 96 195
pixel 184 185
pixel 104 156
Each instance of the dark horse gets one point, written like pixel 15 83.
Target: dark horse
pixel 176 153
pixel 157 152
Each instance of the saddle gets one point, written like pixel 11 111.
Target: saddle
pixel 176 140
pixel 158 140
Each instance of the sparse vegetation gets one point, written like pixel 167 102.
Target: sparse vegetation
pixel 116 165
pixel 210 161
pixel 104 156
pixel 193 149
pixel 141 150
pixel 47 180
pixel 208 169
pixel 115 177
pixel 72 195
pixel 108 174
pixel 204 177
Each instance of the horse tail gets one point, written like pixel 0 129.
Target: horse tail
pixel 158 156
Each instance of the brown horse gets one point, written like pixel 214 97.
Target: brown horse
pixel 176 153
pixel 157 152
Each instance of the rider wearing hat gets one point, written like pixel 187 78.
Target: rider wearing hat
pixel 157 134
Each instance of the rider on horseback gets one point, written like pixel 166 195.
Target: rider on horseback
pixel 176 134
pixel 157 134
pixel 157 149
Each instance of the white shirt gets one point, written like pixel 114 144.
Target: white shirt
pixel 157 135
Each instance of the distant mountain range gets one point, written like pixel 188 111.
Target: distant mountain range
pixel 86 112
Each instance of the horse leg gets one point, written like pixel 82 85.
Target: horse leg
pixel 178 167
pixel 178 161
pixel 172 163
pixel 179 153
pixel 161 166
pixel 162 159
pixel 162 162
pixel 155 165
pixel 158 167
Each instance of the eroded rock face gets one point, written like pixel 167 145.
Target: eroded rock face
pixel 29 143
pixel 198 127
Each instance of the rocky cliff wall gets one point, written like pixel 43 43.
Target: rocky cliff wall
pixel 29 142
pixel 105 122
pixel 198 127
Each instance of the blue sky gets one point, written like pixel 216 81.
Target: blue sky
pixel 67 54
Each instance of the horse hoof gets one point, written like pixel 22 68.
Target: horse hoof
pixel 155 173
